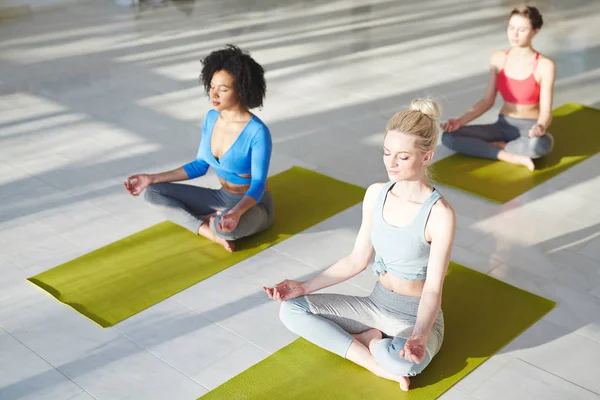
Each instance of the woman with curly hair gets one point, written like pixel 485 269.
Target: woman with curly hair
pixel 525 79
pixel 236 143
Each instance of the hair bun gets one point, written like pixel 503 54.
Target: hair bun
pixel 426 106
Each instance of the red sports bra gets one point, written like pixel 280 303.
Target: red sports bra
pixel 519 91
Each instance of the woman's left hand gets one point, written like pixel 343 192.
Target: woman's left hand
pixel 229 221
pixel 538 130
pixel 414 349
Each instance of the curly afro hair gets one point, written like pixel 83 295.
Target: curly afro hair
pixel 249 76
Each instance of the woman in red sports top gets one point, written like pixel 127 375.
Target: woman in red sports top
pixel 525 79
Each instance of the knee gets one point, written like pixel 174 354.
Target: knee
pixel 447 139
pixel 542 145
pixel 153 194
pixel 387 354
pixel 291 309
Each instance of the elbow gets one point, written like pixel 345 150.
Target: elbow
pixel 257 190
pixel 358 264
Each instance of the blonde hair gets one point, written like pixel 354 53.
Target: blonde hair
pixel 420 120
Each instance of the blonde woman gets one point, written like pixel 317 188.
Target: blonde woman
pixel 396 330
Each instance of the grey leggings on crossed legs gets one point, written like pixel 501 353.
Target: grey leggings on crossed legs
pixel 474 140
pixel 328 320
pixel 186 204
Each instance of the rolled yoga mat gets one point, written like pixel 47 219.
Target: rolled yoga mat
pixel 576 137
pixel 481 316
pixel 117 281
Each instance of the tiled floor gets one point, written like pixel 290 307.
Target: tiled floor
pixel 94 92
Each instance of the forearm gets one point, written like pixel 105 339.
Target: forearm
pixel 477 110
pixel 244 205
pixel 175 175
pixel 429 307
pixel 545 119
pixel 342 270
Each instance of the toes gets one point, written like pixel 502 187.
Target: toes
pixel 404 384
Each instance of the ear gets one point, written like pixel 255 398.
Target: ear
pixel 428 157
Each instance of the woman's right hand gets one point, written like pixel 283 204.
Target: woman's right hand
pixel 135 184
pixel 285 290
pixel 451 125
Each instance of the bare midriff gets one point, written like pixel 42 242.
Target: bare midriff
pixel 526 111
pixel 402 286
pixel 237 189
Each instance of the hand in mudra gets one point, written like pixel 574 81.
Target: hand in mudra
pixel 135 184
pixel 537 130
pixel 285 290
pixel 229 221
pixel 414 349
pixel 451 125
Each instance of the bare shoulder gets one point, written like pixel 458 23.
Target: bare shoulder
pixel 546 64
pixel 497 58
pixel 443 216
pixel 373 191
pixel 371 195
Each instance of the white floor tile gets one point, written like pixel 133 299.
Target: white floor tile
pixel 473 260
pixel 270 267
pixel 82 396
pixel 560 352
pixel 221 296
pixel 24 375
pixel 266 332
pixel 51 329
pixel 41 252
pixel 455 394
pixel 483 373
pixel 592 248
pixel 123 370
pixel 520 380
pixel 229 366
pixel 70 216
pixel 12 278
pixel 181 337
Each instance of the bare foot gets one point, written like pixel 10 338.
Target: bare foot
pixel 516 159
pixel 404 383
pixel 229 245
pixel 367 336
pixel 208 217
pixel 526 162
pixel 205 231
pixel 500 145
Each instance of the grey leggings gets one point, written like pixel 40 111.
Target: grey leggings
pixel 328 320
pixel 473 140
pixel 185 205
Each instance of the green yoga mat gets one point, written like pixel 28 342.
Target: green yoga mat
pixel 576 137
pixel 117 281
pixel 481 314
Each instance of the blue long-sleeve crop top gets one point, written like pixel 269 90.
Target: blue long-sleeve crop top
pixel 249 154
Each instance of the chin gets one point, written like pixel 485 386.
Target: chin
pixel 395 177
